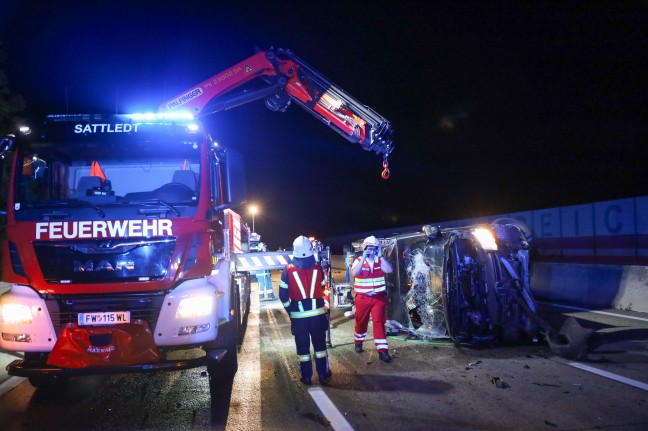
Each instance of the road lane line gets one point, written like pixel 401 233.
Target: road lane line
pixel 609 375
pixel 323 402
pixel 607 313
pixel 273 325
pixel 10 383
pixel 328 409
pixel 246 390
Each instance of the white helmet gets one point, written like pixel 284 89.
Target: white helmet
pixel 302 247
pixel 370 240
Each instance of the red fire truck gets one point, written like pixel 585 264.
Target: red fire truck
pixel 121 240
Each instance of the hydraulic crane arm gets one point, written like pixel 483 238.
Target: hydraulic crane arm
pixel 285 78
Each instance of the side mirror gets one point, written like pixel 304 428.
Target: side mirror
pixel 6 144
pixel 235 188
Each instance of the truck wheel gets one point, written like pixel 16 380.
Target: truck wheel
pixel 221 374
pixel 238 318
pixel 245 313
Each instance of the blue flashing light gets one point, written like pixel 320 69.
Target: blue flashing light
pixel 169 116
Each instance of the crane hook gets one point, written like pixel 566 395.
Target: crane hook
pixel 385 172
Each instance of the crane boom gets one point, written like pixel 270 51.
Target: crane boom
pixel 283 78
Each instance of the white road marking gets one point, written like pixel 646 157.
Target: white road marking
pixel 10 383
pixel 609 375
pixel 323 402
pixel 330 412
pixel 246 390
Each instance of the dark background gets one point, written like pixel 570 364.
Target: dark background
pixel 497 106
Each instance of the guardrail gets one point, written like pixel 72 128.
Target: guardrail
pixel 609 232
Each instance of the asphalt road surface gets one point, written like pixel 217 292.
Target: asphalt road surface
pixel 428 386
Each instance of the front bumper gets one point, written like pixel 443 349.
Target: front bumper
pixel 24 368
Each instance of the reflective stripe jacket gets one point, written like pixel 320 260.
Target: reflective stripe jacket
pixel 369 281
pixel 301 291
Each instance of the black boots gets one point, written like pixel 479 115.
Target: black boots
pixel 325 379
pixel 384 356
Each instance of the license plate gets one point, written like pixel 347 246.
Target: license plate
pixel 104 318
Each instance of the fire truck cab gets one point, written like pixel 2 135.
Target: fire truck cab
pixel 117 246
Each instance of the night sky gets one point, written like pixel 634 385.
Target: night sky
pixel 497 106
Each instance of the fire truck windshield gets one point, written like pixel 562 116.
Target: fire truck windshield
pixel 108 161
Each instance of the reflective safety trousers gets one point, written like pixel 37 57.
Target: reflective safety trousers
pixel 306 330
pixel 375 307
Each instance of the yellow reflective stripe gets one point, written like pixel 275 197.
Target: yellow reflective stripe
pixel 381 343
pixel 299 284
pixel 300 306
pixel 308 313
pixel 304 358
pixel 283 285
pixel 313 280
pixel 370 281
pixel 362 290
pixel 287 303
pixel 322 354
pixel 372 284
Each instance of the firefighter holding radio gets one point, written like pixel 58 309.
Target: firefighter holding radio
pixel 370 290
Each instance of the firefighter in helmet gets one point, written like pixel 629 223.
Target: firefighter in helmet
pixel 301 291
pixel 370 291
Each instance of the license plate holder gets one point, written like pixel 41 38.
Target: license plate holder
pixel 103 318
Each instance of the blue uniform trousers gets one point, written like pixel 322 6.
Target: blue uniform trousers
pixel 306 329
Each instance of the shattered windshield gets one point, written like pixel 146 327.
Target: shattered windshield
pixel 94 162
pixel 416 301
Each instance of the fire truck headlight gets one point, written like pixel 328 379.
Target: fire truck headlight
pixel 485 238
pixel 194 307
pixel 15 314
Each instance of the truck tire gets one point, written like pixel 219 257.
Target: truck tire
pixel 222 373
pixel 245 313
pixel 237 319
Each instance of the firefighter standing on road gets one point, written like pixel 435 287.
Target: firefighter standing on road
pixel 369 286
pixel 301 291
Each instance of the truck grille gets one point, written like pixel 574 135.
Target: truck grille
pixel 144 306
pixel 104 261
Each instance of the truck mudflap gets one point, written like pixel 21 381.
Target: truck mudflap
pixel 124 344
